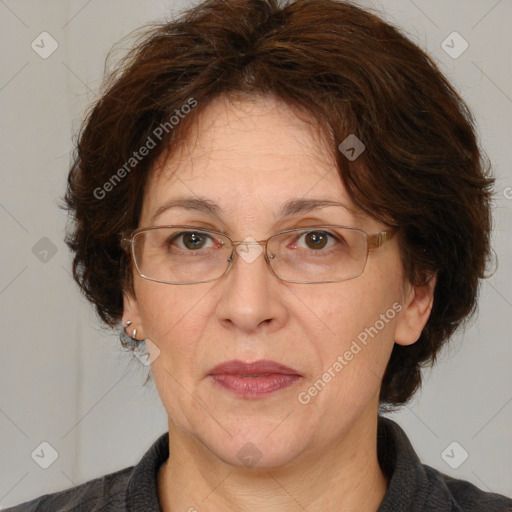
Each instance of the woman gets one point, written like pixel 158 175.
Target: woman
pixel 288 205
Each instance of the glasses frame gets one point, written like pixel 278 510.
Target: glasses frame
pixel 373 241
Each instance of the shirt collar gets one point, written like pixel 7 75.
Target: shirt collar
pixel 409 485
pixel 142 489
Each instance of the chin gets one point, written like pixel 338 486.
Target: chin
pixel 257 445
pixel 259 456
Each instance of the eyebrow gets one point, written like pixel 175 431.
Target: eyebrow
pixel 289 208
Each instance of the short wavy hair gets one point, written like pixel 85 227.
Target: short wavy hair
pixel 422 169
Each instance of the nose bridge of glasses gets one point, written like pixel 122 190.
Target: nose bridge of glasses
pixel 252 242
pixel 236 243
pixel 249 255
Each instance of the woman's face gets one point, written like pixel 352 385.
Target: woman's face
pixel 250 159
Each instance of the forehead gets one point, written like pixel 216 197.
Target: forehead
pixel 249 154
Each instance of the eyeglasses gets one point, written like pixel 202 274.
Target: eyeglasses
pixel 188 255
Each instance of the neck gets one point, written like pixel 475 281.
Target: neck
pixel 346 476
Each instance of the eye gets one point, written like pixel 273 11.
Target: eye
pixel 317 240
pixel 190 240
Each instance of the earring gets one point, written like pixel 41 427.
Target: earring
pixel 134 332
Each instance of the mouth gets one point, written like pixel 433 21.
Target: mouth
pixel 253 380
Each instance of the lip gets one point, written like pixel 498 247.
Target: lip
pixel 253 380
pixel 261 367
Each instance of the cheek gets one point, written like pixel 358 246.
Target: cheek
pixel 172 317
pixel 361 317
pixel 352 357
pixel 351 308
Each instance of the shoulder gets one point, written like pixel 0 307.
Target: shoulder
pixel 133 487
pixel 465 496
pixel 417 486
pixel 106 493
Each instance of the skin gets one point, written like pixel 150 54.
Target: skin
pixel 320 456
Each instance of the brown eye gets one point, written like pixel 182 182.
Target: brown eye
pixel 190 240
pixel 193 240
pixel 316 239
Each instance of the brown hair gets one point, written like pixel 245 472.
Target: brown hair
pixel 422 169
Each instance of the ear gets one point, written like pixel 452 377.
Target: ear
pixel 131 312
pixel 416 309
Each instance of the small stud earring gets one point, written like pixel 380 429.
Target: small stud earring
pixel 128 323
pixel 134 333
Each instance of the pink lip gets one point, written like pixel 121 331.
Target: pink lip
pixel 253 380
pixel 261 367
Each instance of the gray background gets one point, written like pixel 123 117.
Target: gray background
pixel 66 381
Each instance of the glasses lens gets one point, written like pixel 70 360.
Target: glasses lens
pixel 180 254
pixel 318 255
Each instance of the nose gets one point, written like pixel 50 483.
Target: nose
pixel 251 294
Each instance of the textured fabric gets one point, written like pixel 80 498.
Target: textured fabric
pixel 412 486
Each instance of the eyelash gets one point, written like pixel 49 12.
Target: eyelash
pixel 181 234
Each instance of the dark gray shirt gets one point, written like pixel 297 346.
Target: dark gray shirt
pixel 413 486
